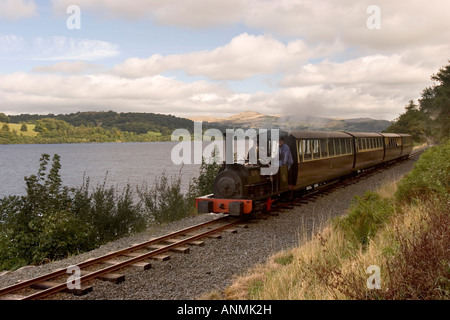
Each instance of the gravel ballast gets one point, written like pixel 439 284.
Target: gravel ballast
pixel 213 266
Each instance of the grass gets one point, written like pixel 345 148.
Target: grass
pixel 403 231
pixel 16 126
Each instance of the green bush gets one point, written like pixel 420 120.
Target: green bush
pixel 366 215
pixel 164 201
pixel 52 222
pixel 204 184
pixel 429 178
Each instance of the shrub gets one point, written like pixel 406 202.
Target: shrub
pixel 52 221
pixel 204 184
pixel 420 269
pixel 429 178
pixel 164 201
pixel 366 215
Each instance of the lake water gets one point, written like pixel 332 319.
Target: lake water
pixel 119 163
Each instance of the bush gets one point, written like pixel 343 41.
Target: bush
pixel 429 178
pixel 365 217
pixel 420 269
pixel 164 202
pixel 204 184
pixel 52 222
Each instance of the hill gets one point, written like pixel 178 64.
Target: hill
pixel 251 119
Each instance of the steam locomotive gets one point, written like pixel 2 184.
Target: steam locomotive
pixel 319 158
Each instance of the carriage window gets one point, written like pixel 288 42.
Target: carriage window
pixel 299 148
pixel 331 147
pixel 349 145
pixel 315 148
pixel 337 147
pixel 323 148
pixel 343 146
pixel 306 147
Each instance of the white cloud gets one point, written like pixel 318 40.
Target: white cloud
pixel 11 43
pixel 373 70
pixel 63 48
pixel 372 85
pixel 55 48
pixel 328 63
pixel 402 24
pixel 17 9
pixel 192 13
pixel 243 57
pixel 26 93
pixel 23 92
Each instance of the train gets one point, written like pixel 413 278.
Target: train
pixel 319 158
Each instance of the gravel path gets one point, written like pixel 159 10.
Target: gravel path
pixel 212 267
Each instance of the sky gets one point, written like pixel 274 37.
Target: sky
pixel 327 58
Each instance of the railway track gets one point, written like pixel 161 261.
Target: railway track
pixel 106 266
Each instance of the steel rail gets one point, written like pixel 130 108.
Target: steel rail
pixel 126 263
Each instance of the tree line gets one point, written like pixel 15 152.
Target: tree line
pixel 91 127
pixel 429 120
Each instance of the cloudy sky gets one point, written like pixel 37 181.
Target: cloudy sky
pixel 341 59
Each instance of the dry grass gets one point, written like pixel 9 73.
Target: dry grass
pixel 412 251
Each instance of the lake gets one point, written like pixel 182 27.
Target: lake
pixel 120 163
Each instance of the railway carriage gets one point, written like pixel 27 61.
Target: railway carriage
pixel 369 150
pixel 319 158
pixel 407 144
pixel 392 146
